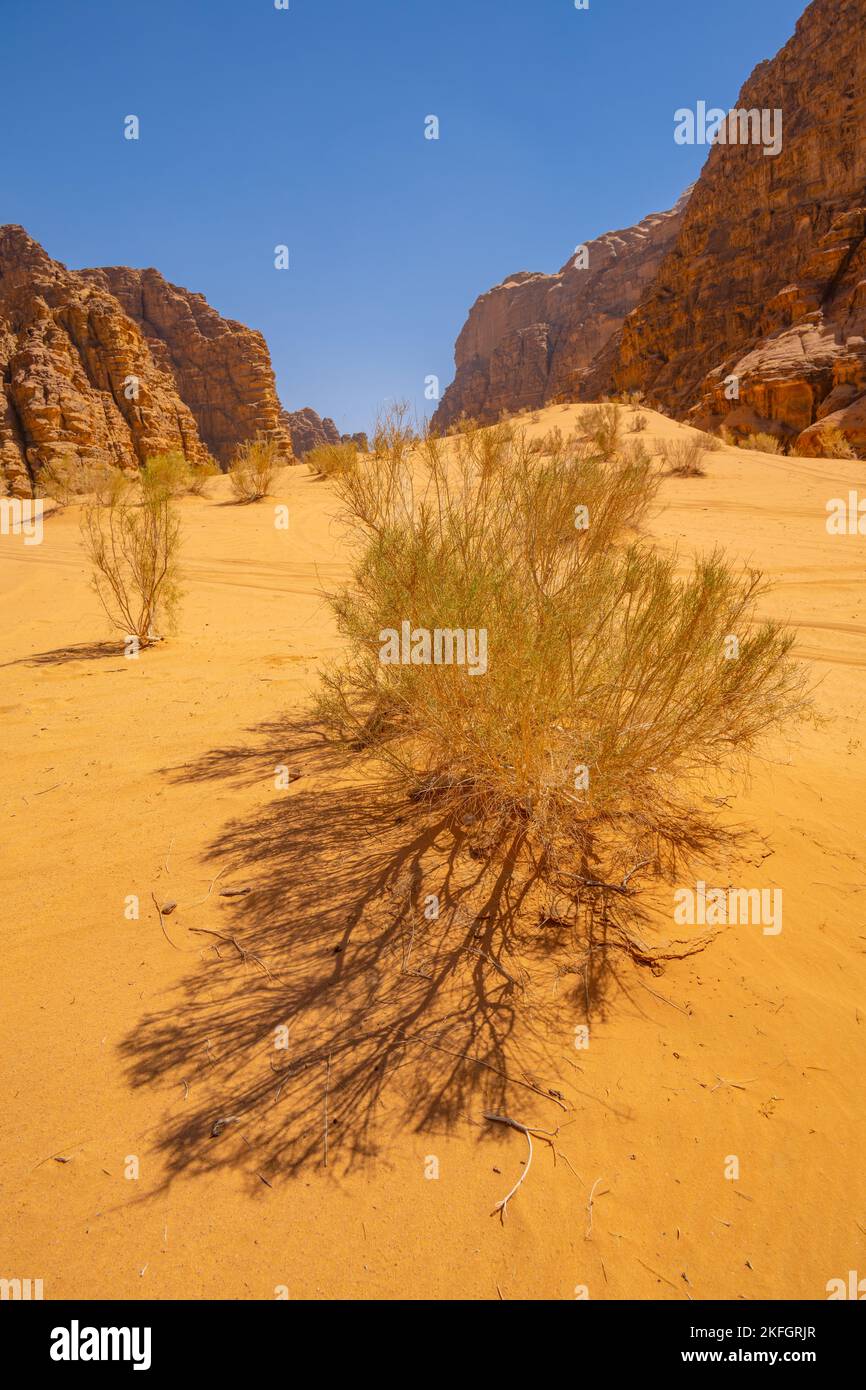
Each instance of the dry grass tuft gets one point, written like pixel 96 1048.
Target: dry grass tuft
pixel 332 460
pixel 684 457
pixel 253 468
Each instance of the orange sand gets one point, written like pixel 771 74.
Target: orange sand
pixel 124 777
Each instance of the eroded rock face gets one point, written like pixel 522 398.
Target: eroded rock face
pixel 80 384
pixel 221 369
pixel 532 338
pixel 308 430
pixel 108 367
pixel 767 280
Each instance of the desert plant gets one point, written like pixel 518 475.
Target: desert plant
pixel 828 443
pixel 253 468
pixel 200 475
pixel 710 442
pixel 66 483
pixel 330 460
pixel 684 457
pixel 763 443
pixel 605 692
pixel 639 423
pixel 132 538
pixel 602 425
pixel 168 473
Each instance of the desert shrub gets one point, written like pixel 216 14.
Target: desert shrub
pixel 763 443
pixel 168 473
pixel 330 460
pixel 602 425
pixel 684 457
pixel 66 483
pixel 132 537
pixel 828 443
pixel 639 423
pixel 200 475
pixel 710 442
pixel 599 656
pixel 253 468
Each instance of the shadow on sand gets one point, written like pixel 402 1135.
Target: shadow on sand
pixel 331 987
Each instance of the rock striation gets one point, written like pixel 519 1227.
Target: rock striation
pixel 532 339
pixel 757 317
pixel 106 367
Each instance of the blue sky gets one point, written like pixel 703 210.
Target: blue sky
pixel 305 127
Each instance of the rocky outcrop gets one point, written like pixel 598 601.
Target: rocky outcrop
pixel 532 339
pixel 221 369
pixel 104 368
pixel 308 430
pixel 757 317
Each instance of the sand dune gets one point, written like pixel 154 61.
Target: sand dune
pixel 150 1040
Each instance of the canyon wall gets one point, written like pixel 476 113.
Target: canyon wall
pixel 764 292
pixel 531 339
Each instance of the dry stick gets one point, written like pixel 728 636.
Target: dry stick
pixel 168 856
pixel 208 893
pixel 162 924
pixel 548 1136
pixel 589 1208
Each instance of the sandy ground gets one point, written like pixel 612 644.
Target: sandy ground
pixel 149 1058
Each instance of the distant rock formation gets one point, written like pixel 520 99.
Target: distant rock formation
pixel 764 292
pixel 531 339
pixel 308 430
pixel 106 367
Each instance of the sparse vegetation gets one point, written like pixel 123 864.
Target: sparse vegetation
pixel 828 443
pixel 331 460
pixel 132 537
pixel 66 483
pixel 253 468
pixel 684 457
pixel 763 443
pixel 166 473
pixel 601 659
pixel 602 425
pixel 639 423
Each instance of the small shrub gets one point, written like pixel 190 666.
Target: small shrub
pixel 253 467
pixel 684 457
pixel 639 423
pixel 330 460
pixel 66 483
pixel 132 538
pixel 711 442
pixel 763 443
pixel 168 473
pixel 602 425
pixel 200 475
pixel 600 656
pixel 831 443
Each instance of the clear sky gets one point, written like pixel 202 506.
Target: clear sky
pixel 305 127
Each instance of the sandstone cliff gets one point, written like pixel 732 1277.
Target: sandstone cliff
pixel 107 367
pixel 767 280
pixel 533 337
pixel 221 369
